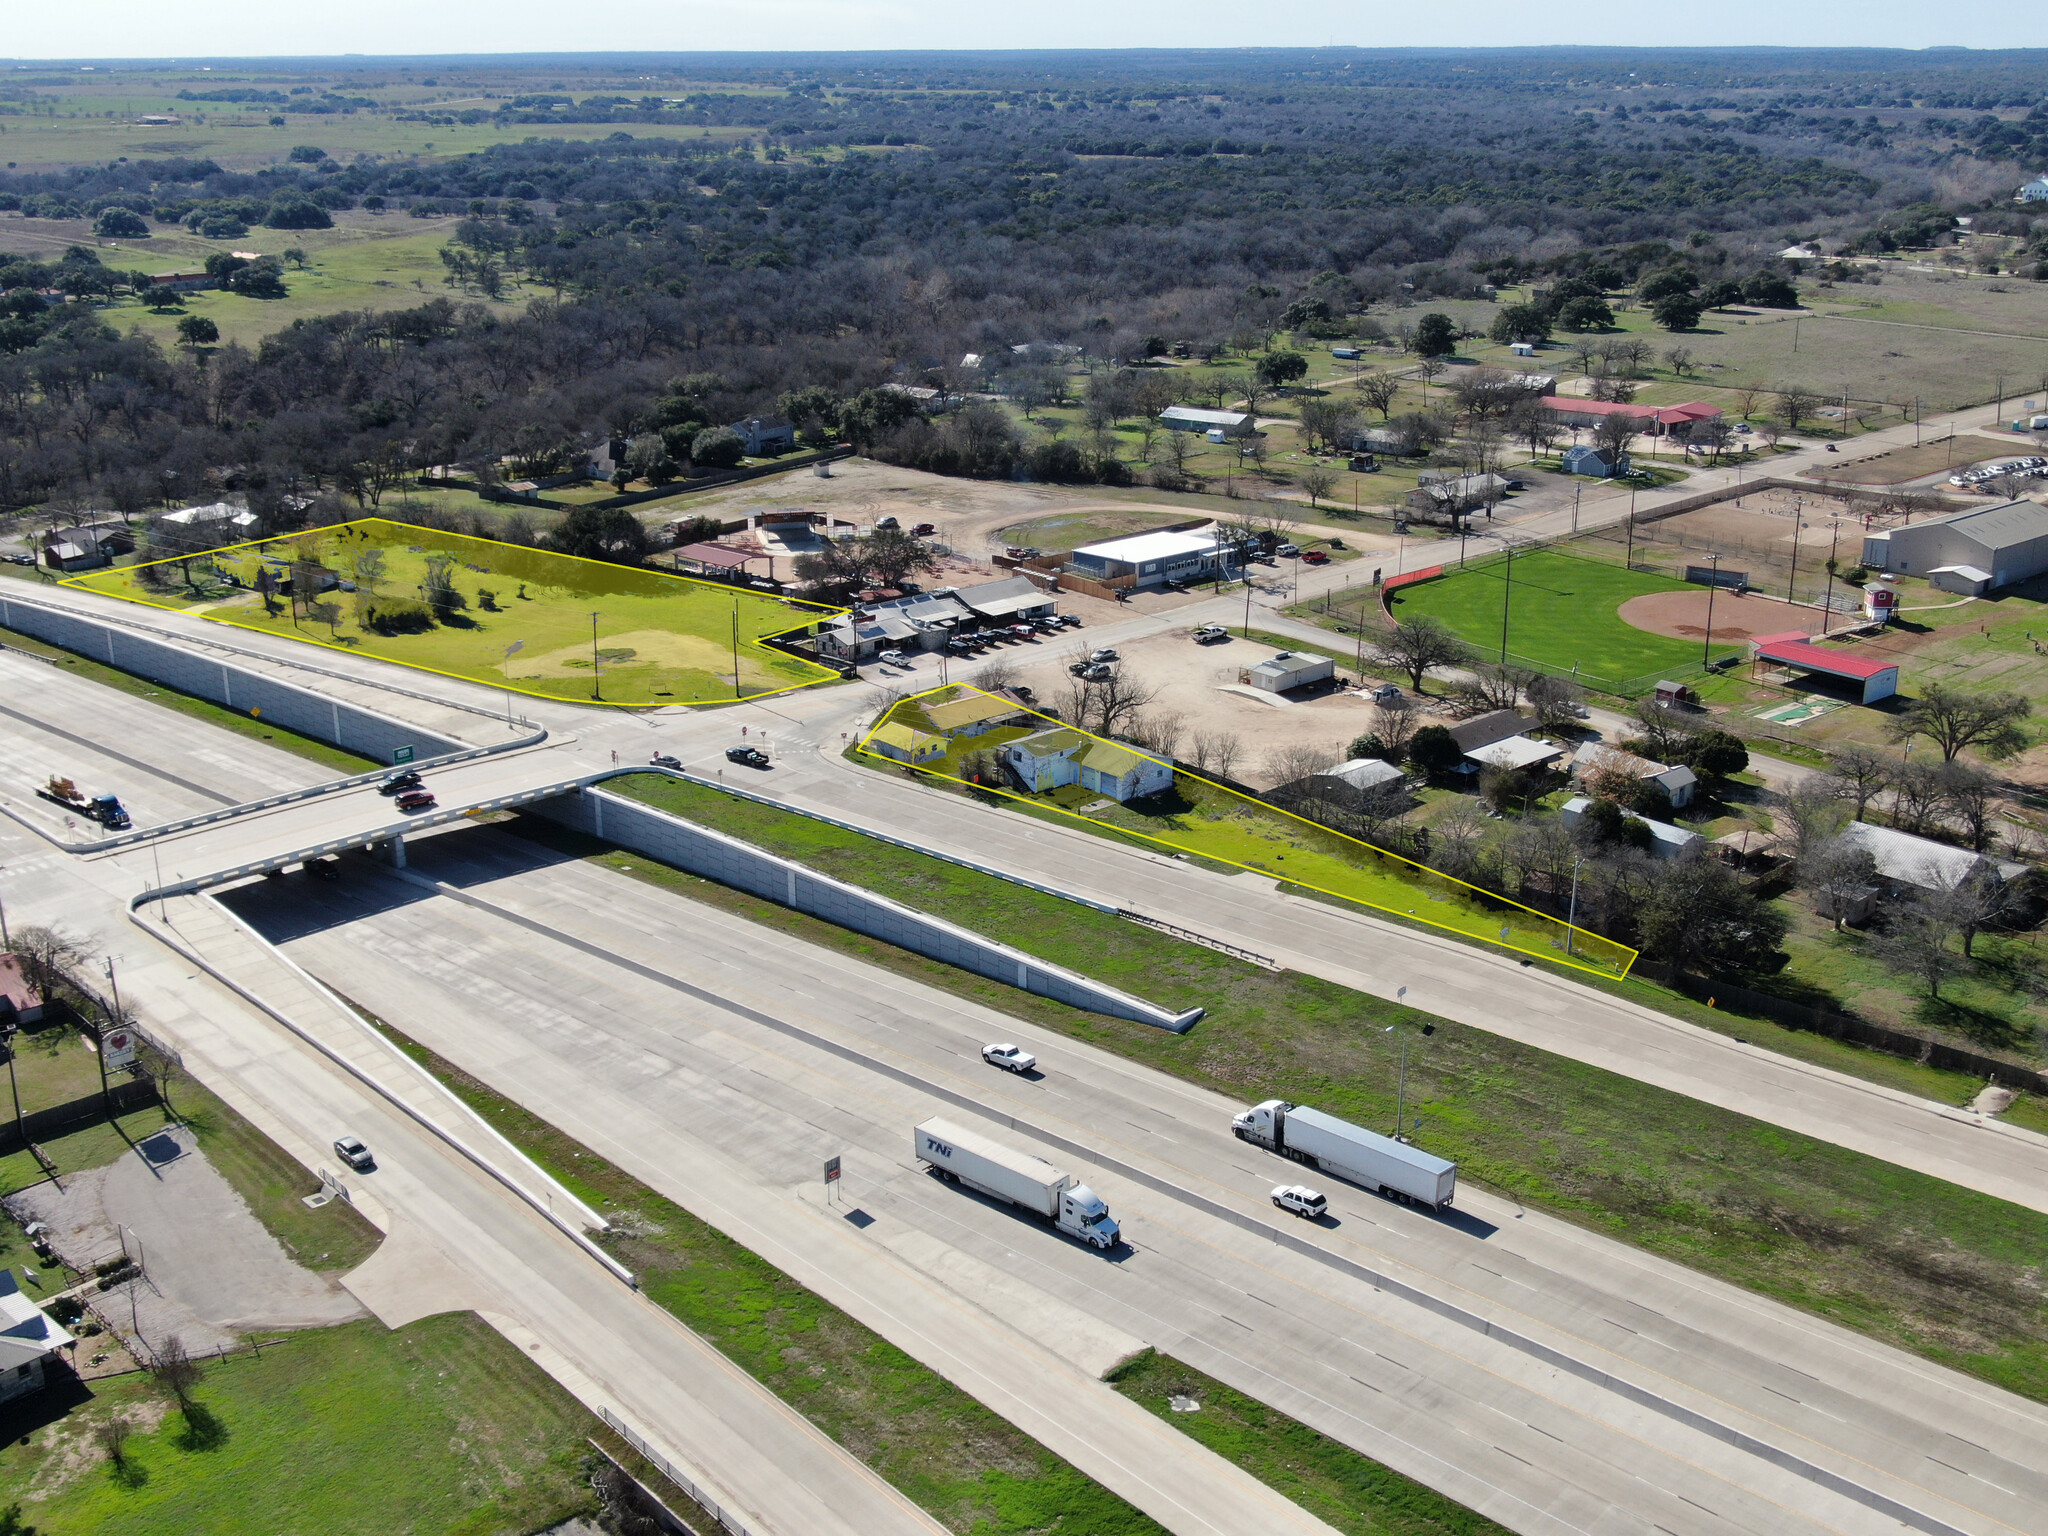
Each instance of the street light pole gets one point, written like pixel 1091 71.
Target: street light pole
pixel 1707 645
pixel 1798 507
pixel 1507 592
pixel 596 672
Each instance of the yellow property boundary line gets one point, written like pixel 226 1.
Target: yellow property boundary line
pixel 84 584
pixel 1265 806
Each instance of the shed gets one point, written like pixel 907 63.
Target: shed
pixel 1877 679
pixel 1363 773
pixel 1289 669
pixel 1189 418
pixel 971 714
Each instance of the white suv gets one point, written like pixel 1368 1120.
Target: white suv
pixel 1301 1200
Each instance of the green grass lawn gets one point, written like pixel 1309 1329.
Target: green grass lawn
pixel 1871 1245
pixel 659 638
pixel 1209 822
pixel 442 1428
pixel 1331 1481
pixel 343 763
pixel 973 1471
pixel 1561 612
pixel 1071 530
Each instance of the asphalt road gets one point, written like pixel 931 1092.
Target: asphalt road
pixel 729 1114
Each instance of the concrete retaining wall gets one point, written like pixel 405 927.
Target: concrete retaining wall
pixel 744 867
pixel 347 726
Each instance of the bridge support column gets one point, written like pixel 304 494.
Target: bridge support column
pixel 395 850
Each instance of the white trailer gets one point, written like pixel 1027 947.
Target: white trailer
pixel 1380 1163
pixel 961 1156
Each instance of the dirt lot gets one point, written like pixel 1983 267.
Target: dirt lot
pixel 1199 684
pixel 1899 465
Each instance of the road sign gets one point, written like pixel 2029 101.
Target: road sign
pixel 401 754
pixel 832 1170
pixel 118 1049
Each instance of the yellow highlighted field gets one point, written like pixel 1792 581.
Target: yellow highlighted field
pixel 1208 820
pixel 505 615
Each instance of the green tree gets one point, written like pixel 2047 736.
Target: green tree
pixel 1701 915
pixel 1677 312
pixel 1436 335
pixel 873 414
pixel 294 210
pixel 1434 752
pixel 613 534
pixel 815 411
pixel 121 224
pixel 1721 295
pixel 1773 290
pixel 1520 322
pixel 1278 368
pixel 1668 282
pixel 717 448
pixel 197 331
pixel 1304 312
pixel 1585 313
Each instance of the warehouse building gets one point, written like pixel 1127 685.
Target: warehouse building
pixel 1156 559
pixel 1970 552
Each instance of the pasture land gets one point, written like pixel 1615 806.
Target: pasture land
pixel 518 618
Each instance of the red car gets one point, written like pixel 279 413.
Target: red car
pixel 924 530
pixel 1314 557
pixel 416 800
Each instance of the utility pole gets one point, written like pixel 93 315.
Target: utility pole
pixel 7 1045
pixel 1707 645
pixel 1916 421
pixel 1827 603
pixel 1629 559
pixel 1576 490
pixel 596 673
pixel 106 1093
pixel 1571 923
pixel 1798 503
pixel 1999 409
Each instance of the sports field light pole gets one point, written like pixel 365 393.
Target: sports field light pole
pixel 1507 591
pixel 596 672
pixel 1707 645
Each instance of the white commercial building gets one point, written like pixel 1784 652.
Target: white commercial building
pixel 1157 558
pixel 1290 669
pixel 1188 418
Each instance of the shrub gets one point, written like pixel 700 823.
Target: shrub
pixel 398 616
pixel 294 210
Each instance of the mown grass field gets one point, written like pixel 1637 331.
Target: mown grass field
pixel 1561 613
pixel 968 1468
pixel 442 1428
pixel 1943 1271
pixel 1204 820
pixel 530 621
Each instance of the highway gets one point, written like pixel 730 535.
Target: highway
pixel 623 1014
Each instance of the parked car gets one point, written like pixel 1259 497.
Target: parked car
pixel 416 800
pixel 1209 633
pixel 1071 620
pixel 925 530
pixel 324 869
pixel 1023 631
pixel 1080 668
pixel 1011 1058
pixel 882 523
pixel 1300 1200
pixel 1092 670
pixel 1106 653
pixel 398 783
pixel 1315 557
pixel 350 1150
pixel 751 757
pixel 664 760
pixel 1287 551
pixel 894 659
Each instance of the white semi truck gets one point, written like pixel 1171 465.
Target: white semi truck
pixel 961 1156
pixel 1323 1141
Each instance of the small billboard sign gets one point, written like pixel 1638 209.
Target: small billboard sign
pixel 401 754
pixel 832 1170
pixel 118 1049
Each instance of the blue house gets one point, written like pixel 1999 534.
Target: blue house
pixel 1600 463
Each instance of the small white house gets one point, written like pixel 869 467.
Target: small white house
pixel 1666 841
pixel 2035 191
pixel 1053 759
pixel 1678 781
pixel 29 1340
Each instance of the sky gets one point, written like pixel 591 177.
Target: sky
pixel 257 28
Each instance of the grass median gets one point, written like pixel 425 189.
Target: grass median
pixel 1944 1271
pixel 971 1470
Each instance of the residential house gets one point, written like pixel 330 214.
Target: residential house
pixel 905 744
pixel 1666 840
pixel 1438 491
pixel 1679 782
pixel 29 1341
pixel 1515 752
pixel 1286 670
pixel 88 546
pixel 1600 463
pixel 974 713
pixel 183 282
pixel 1061 756
pixel 860 638
pixel 20 1003
pixel 221 517
pixel 1570 411
pixel 765 436
pixel 2035 191
pixel 1921 864
pixel 606 459
pixel 1348 786
pixel 1484 730
pixel 1969 552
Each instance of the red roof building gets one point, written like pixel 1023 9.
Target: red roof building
pixel 1656 420
pixel 1878 679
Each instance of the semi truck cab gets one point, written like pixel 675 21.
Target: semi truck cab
pixel 1262 1125
pixel 1083 1214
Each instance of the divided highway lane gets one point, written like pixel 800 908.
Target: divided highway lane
pixel 597 1048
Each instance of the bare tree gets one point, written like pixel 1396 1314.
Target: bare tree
pixel 1794 402
pixel 1837 871
pixel 1917 795
pixel 1970 795
pixel 1107 705
pixel 1953 720
pixel 1395 723
pixel 1429 370
pixel 1808 817
pixel 1217 752
pixel 1317 481
pixel 49 955
pixel 176 1371
pixel 1415 647
pixel 1916 942
pixel 1491 686
pixel 997 672
pixel 1679 360
pixel 113 1437
pixel 1287 764
pixel 1160 732
pixel 1378 390
pixel 1555 700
